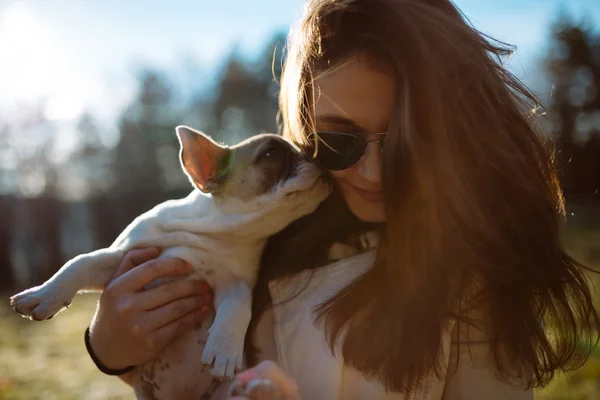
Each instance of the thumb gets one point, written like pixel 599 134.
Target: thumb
pixel 271 371
pixel 136 257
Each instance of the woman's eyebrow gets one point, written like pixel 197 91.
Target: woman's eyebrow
pixel 339 120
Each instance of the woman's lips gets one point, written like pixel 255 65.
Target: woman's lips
pixel 370 195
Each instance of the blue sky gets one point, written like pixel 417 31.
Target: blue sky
pixel 81 53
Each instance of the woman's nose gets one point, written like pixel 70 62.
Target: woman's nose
pixel 369 166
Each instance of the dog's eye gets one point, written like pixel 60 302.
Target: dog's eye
pixel 271 152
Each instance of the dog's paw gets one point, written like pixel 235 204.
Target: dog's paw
pixel 225 360
pixel 40 302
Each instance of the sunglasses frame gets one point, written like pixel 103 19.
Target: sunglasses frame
pixel 382 136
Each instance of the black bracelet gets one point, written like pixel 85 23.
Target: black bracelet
pixel 100 366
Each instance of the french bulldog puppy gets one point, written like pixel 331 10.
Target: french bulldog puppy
pixel 242 195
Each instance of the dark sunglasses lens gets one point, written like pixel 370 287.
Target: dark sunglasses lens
pixel 337 151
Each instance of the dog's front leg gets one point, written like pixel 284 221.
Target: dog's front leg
pixel 225 344
pixel 91 271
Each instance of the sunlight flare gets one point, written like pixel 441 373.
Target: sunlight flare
pixel 32 62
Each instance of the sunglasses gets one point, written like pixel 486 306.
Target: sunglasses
pixel 336 151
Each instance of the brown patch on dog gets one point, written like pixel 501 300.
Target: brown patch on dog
pixel 147 383
pixel 261 162
pixel 148 389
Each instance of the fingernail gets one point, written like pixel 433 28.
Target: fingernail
pixel 205 287
pixel 237 388
pixel 204 309
pixel 206 297
pixel 188 266
pixel 247 376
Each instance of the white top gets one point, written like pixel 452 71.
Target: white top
pixel 300 347
pixel 288 335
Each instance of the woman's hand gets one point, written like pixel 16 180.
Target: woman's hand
pixel 133 325
pixel 266 381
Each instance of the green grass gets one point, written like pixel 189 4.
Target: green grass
pixel 584 383
pixel 47 360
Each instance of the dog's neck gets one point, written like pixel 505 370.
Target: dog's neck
pixel 231 219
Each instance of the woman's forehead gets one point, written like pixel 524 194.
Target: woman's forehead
pixel 354 94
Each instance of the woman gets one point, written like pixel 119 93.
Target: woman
pixel 434 156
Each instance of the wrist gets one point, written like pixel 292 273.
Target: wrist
pixel 101 363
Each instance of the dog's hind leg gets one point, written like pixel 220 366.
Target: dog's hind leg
pixel 87 272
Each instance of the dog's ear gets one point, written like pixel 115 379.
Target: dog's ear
pixel 203 160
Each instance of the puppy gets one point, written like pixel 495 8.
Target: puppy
pixel 242 195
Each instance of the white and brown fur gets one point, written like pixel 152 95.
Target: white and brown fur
pixel 243 194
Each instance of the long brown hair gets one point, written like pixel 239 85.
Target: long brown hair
pixel 473 204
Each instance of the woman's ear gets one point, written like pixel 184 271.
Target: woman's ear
pixel 202 159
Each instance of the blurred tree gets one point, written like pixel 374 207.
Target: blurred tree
pixel 139 172
pixel 236 110
pixel 7 205
pixel 6 210
pixel 35 219
pixel 245 103
pixel 145 125
pixel 89 135
pixel 268 68
pixel 574 64
pixel 90 161
pixel 7 161
pixel 145 168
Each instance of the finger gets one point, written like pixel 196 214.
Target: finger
pixel 263 389
pixel 173 311
pixel 270 370
pixel 166 334
pixel 171 291
pixel 152 270
pixel 236 390
pixel 136 257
